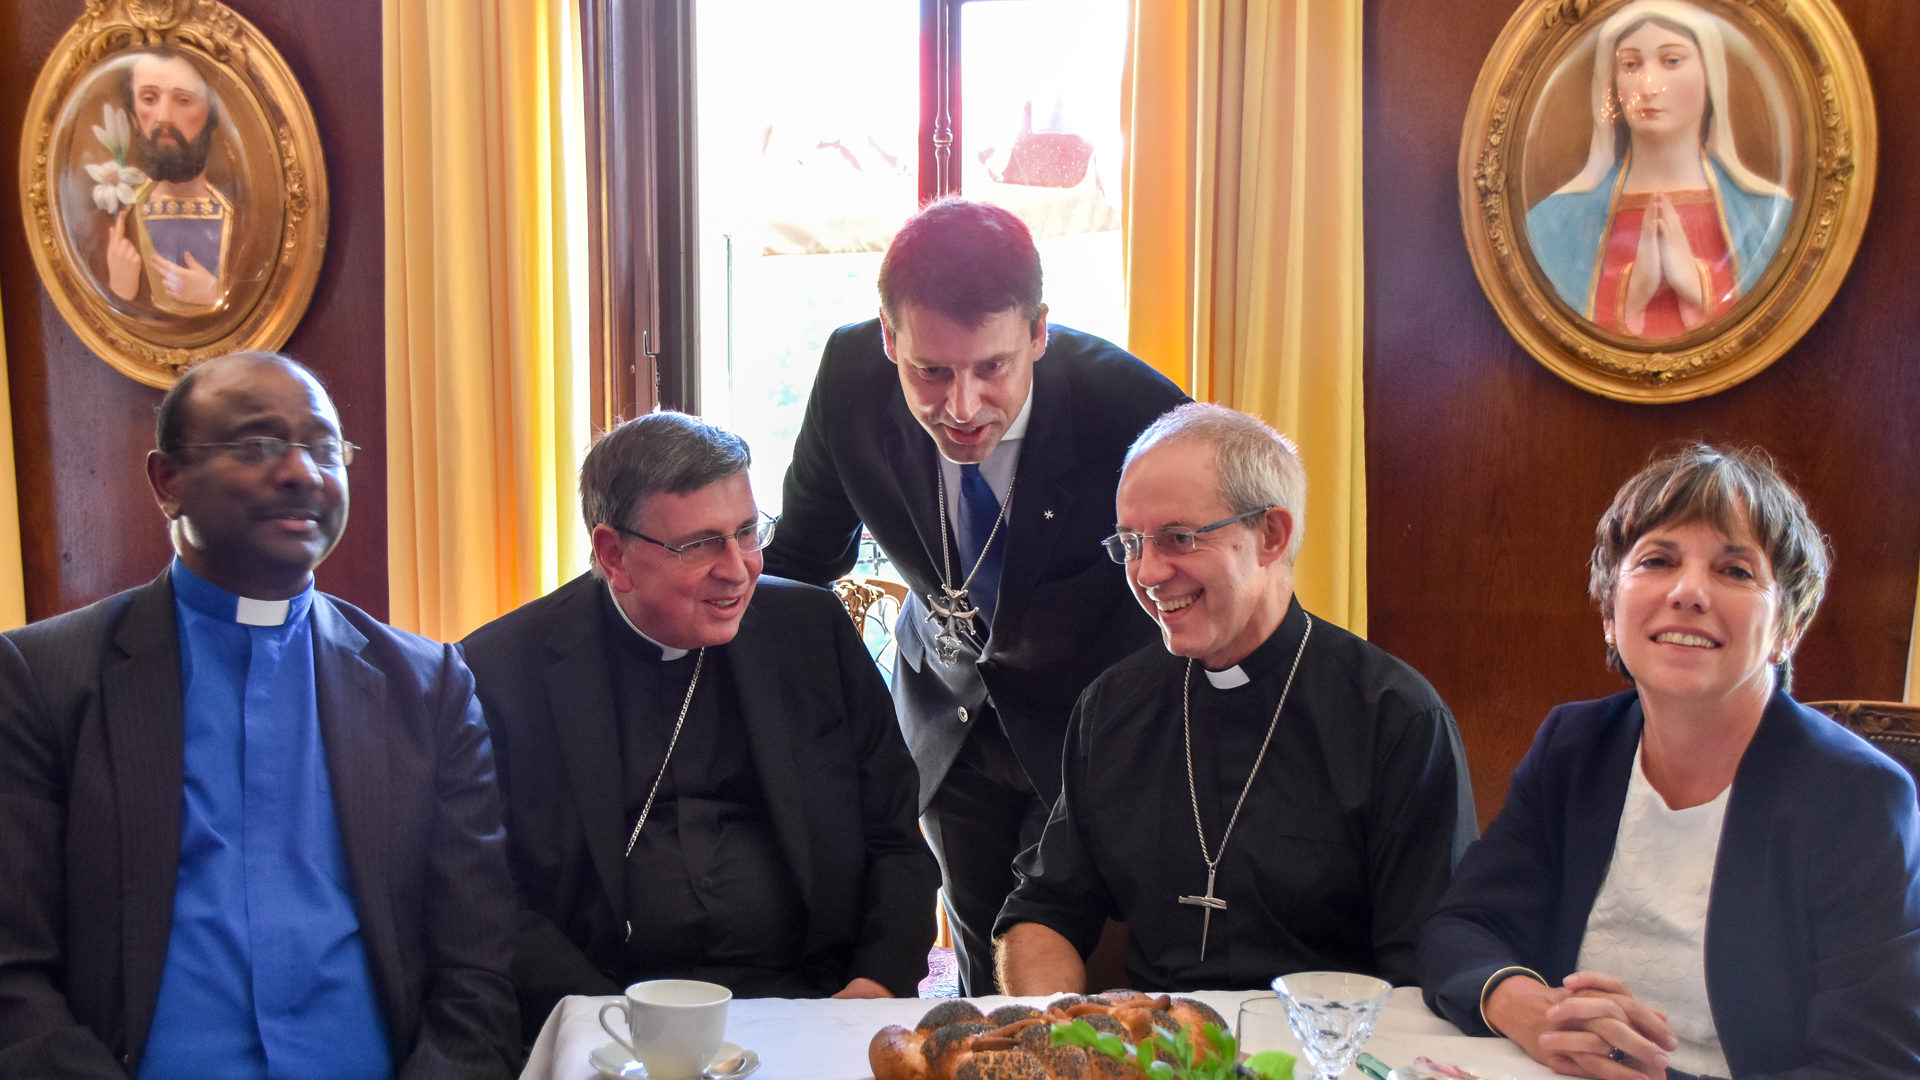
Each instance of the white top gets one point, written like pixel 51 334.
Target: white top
pixel 1649 923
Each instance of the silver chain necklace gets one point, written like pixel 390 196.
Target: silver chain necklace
pixel 699 661
pixel 1211 903
pixel 956 608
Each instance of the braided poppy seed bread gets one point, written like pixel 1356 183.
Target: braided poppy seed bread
pixel 955 1041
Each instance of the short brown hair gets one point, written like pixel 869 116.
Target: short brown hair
pixel 1727 489
pixel 966 260
pixel 660 452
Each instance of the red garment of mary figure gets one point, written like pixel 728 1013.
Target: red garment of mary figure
pixel 1700 218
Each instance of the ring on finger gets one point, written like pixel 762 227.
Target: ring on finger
pixel 1616 1055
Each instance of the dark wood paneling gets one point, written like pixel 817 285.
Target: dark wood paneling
pixel 1486 473
pixel 89 526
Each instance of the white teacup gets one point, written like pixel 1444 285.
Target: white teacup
pixel 674 1026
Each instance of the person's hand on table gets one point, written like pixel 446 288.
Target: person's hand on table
pixel 1573 1029
pixel 863 988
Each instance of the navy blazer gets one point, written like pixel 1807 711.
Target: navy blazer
pixel 91 774
pixel 824 745
pixel 1813 921
pixel 1064 613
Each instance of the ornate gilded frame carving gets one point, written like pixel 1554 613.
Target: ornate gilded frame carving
pixel 1801 94
pixel 256 207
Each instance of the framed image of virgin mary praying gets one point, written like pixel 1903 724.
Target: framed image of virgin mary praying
pixel 1660 196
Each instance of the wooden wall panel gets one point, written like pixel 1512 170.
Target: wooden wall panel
pixel 89 526
pixel 1486 472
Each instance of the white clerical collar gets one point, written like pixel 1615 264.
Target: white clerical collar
pixel 216 602
pixel 1230 679
pixel 251 612
pixel 667 652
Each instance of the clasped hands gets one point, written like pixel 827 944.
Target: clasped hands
pixel 1572 1028
pixel 1664 256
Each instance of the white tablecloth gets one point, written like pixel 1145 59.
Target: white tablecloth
pixel 827 1039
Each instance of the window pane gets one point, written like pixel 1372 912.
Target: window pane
pixel 808 115
pixel 1041 136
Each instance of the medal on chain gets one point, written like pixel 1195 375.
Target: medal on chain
pixel 950 610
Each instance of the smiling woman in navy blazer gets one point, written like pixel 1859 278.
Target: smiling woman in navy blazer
pixel 1698 876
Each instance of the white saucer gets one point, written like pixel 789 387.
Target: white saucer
pixel 613 1063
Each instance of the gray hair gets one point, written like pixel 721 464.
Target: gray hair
pixel 1731 490
pixel 660 452
pixel 1257 465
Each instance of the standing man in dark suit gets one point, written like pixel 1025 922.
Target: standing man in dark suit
pixel 248 830
pixel 702 771
pixel 987 476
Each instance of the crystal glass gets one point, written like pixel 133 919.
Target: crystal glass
pixel 1263 1026
pixel 1332 1014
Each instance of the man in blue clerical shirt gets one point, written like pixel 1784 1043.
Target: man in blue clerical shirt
pixel 249 830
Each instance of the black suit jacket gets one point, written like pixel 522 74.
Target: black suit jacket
pixel 1812 947
pixel 824 744
pixel 91 764
pixel 1064 614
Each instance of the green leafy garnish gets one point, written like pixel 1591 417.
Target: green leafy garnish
pixel 1174 1055
pixel 1271 1065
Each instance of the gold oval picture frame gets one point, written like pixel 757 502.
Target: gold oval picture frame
pixel 1661 196
pixel 173 186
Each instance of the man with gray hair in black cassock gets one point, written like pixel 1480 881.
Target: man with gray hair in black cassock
pixel 1266 794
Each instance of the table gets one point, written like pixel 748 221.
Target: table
pixel 824 1039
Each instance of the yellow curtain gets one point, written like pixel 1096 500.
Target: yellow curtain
pixel 485 209
pixel 1156 187
pixel 1266 141
pixel 13 589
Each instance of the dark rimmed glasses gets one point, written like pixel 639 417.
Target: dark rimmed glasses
pixel 751 537
pixel 327 452
pixel 1124 547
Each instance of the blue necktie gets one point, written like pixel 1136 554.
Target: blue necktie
pixel 982 510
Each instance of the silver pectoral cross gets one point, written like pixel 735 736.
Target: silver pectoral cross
pixel 1211 904
pixel 949 617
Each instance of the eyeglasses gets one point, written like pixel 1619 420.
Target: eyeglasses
pixel 751 537
pixel 327 452
pixel 1124 547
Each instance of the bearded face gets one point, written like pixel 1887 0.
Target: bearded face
pixel 174 117
pixel 170 156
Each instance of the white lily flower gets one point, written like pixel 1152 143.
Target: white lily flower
pixel 115 132
pixel 115 185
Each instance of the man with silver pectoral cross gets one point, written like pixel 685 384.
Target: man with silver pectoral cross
pixel 1266 794
pixel 979 446
pixel 702 771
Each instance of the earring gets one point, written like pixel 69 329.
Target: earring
pixel 1609 637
